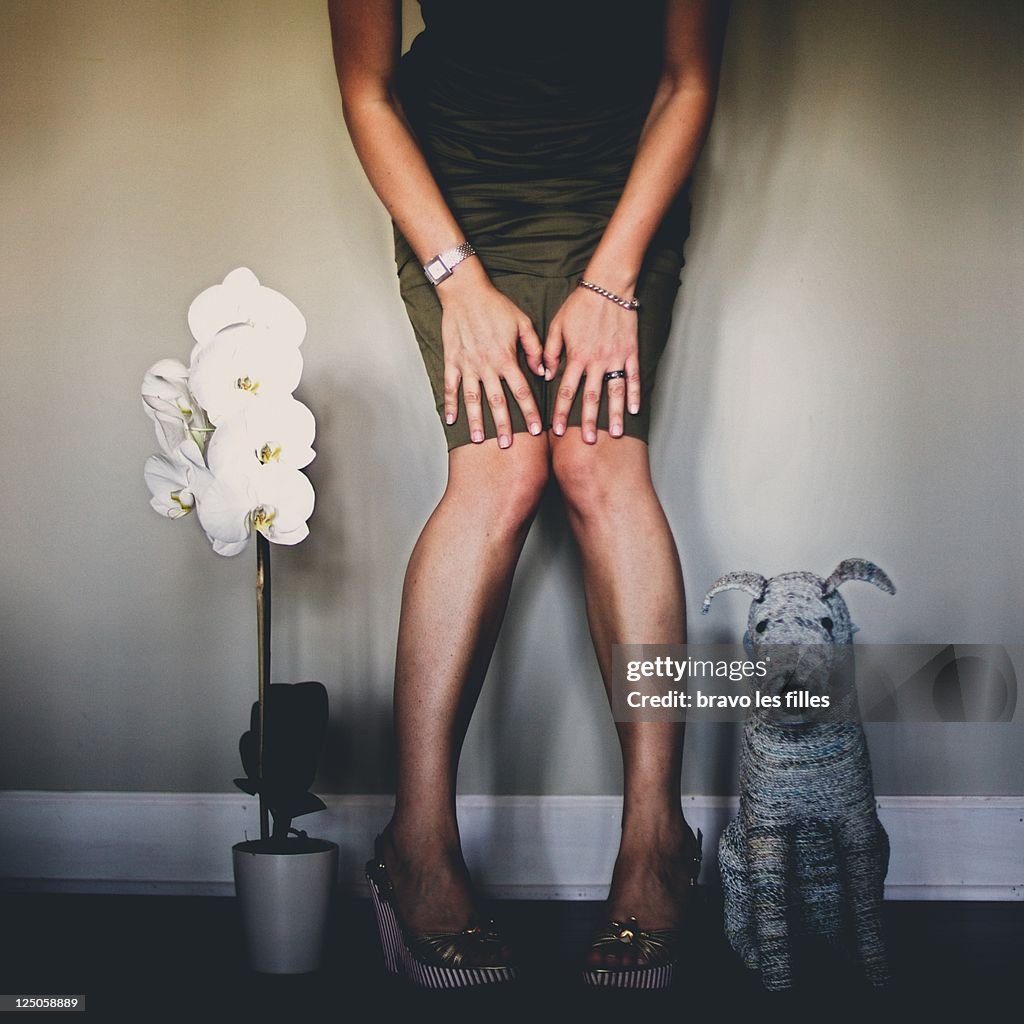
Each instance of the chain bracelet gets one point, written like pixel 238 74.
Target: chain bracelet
pixel 633 303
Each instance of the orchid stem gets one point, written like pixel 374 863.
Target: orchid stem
pixel 263 631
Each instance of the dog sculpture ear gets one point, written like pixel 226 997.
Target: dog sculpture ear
pixel 752 582
pixel 857 569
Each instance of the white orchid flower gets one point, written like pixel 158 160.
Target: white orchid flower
pixel 274 499
pixel 241 299
pixel 274 430
pixel 173 479
pixel 172 407
pixel 241 367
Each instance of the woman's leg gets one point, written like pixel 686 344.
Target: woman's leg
pixel 456 591
pixel 634 594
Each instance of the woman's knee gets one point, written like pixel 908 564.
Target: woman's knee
pixel 598 480
pixel 503 486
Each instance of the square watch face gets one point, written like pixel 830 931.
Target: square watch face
pixel 436 270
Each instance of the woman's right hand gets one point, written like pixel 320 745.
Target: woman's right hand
pixel 481 328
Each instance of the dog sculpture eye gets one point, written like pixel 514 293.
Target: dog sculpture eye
pixel 827 623
pixel 762 626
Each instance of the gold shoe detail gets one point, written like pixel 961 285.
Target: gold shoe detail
pixel 655 946
pixel 452 949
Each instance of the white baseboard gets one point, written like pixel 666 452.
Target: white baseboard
pixel 519 847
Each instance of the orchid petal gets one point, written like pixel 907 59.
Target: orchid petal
pixel 171 406
pixel 167 481
pixel 277 430
pixel 229 550
pixel 238 369
pixel 190 453
pixel 173 479
pixel 283 500
pixel 224 506
pixel 295 536
pixel 288 492
pixel 241 299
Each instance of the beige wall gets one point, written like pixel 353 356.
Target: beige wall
pixel 844 379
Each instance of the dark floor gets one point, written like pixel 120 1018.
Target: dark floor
pixel 143 957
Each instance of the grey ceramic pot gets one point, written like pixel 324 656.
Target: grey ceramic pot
pixel 285 893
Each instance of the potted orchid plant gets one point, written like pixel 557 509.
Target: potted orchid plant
pixel 234 442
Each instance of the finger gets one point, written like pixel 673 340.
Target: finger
pixel 616 405
pixel 593 382
pixel 474 410
pixel 566 394
pixel 632 369
pixel 499 408
pixel 552 350
pixel 534 350
pixel 452 378
pixel 520 387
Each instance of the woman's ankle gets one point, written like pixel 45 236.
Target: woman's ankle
pixel 655 827
pixel 406 843
pixel 432 885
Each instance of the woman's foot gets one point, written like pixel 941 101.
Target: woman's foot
pixel 433 892
pixel 652 883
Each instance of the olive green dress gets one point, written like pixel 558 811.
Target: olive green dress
pixel 529 116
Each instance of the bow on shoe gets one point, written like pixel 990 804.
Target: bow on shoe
pixel 655 946
pixel 452 949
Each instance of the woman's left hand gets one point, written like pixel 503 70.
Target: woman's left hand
pixel 598 337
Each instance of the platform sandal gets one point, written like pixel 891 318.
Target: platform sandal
pixel 659 948
pixel 435 960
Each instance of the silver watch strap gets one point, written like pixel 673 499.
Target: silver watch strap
pixel 439 268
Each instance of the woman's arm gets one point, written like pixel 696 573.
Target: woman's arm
pixel 598 335
pixel 480 326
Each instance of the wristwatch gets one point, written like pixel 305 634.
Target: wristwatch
pixel 439 268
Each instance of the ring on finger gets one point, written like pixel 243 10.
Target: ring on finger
pixel 615 375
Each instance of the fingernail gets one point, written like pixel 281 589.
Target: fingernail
pixel 541 371
pixel 449 418
pixel 477 435
pixel 559 429
pixel 591 436
pixel 504 441
pixel 634 408
pixel 535 429
pixel 616 430
pixel 547 374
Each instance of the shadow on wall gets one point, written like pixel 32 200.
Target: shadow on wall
pixel 740 162
pixel 329 573
pixel 874 148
